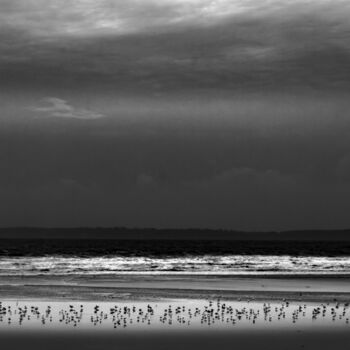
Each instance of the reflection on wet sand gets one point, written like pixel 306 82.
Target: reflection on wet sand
pixel 171 314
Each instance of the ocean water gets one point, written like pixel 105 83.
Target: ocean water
pixel 100 257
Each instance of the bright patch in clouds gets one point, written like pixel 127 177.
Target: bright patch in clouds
pixel 57 107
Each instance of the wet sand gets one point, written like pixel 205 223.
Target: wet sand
pixel 173 324
pixel 288 340
pixel 181 286
pixel 171 314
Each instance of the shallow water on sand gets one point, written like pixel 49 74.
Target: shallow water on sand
pixel 169 314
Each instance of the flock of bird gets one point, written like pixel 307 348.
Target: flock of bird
pixel 207 313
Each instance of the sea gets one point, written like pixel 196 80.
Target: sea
pixel 63 257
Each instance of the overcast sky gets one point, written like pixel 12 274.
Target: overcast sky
pixel 175 113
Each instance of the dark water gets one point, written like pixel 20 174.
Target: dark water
pixel 166 248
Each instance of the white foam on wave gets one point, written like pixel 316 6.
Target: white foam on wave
pixel 208 264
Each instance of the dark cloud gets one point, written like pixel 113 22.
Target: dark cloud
pixel 281 48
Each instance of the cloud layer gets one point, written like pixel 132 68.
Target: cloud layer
pixel 270 164
pixel 88 17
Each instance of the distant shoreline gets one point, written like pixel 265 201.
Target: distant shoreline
pixel 122 233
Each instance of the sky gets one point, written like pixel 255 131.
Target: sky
pixel 226 114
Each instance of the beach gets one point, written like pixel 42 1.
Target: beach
pixel 140 295
pixel 174 311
